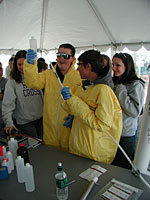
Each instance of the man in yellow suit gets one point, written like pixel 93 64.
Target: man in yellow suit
pixel 97 113
pixel 64 73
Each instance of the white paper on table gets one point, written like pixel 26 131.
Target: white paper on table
pixel 90 173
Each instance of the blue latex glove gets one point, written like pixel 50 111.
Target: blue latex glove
pixel 68 121
pixel 65 93
pixel 31 55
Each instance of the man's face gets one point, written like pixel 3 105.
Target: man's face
pixel 64 64
pixel 82 70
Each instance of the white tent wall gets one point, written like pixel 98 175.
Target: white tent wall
pixel 84 23
pixel 97 24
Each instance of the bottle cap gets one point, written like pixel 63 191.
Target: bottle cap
pixel 21 145
pixel 60 164
pixel 1 151
pixel 5 159
pixel 60 167
pixel 9 153
pixel 28 165
pixel 12 139
pixel 18 157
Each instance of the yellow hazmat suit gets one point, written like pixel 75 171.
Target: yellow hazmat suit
pixel 55 134
pixel 95 113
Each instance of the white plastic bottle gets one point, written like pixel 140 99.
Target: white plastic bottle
pixel 61 183
pixel 33 44
pixel 29 178
pixel 20 169
pixel 13 146
pixel 10 159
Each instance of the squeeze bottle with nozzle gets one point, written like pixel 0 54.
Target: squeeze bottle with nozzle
pixel 33 44
pixel 29 178
pixel 13 146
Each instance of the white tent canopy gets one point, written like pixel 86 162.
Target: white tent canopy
pixel 83 23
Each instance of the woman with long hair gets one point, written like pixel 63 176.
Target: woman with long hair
pixel 130 92
pixel 22 107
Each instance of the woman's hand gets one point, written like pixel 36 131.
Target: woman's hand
pixel 9 129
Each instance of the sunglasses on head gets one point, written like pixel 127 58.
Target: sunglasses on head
pixel 65 55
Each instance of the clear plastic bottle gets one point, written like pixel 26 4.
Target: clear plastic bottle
pixel 29 178
pixel 13 146
pixel 61 183
pixel 20 169
pixel 33 44
pixel 10 159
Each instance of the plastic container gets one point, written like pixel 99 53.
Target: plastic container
pixel 3 173
pixel 23 152
pixel 5 163
pixel 20 169
pixel 13 146
pixel 29 178
pixel 10 159
pixel 33 44
pixel 61 183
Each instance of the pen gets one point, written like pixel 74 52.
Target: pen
pixel 71 182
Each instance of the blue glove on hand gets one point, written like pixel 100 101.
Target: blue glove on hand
pixel 31 55
pixel 65 93
pixel 68 121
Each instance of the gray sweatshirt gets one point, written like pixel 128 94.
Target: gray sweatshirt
pixel 3 82
pixel 21 103
pixel 131 98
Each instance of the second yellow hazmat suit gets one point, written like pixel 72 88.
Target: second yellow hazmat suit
pixel 55 134
pixel 96 115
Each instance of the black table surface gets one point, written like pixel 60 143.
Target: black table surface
pixel 45 159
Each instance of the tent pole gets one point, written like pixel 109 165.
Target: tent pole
pixel 44 11
pixel 102 21
pixel 142 154
pixel 113 50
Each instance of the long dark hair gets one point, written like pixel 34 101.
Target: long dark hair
pixel 15 73
pixel 130 73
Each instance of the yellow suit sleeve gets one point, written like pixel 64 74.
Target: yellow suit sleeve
pixel 95 119
pixel 32 78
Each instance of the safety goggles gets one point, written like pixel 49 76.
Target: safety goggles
pixel 64 55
